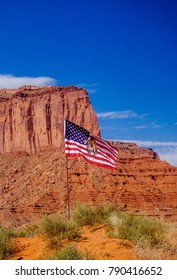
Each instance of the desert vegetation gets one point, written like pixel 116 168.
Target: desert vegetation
pixel 152 239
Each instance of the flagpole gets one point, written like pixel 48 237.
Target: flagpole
pixel 67 189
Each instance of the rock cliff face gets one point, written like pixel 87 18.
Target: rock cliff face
pixel 31 118
pixel 34 183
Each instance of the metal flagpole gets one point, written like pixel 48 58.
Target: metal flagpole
pixel 68 190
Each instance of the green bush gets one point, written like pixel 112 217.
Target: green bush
pixel 54 242
pixel 56 226
pixel 103 213
pixel 142 230
pixel 69 252
pixel 85 215
pixel 6 245
pixel 28 231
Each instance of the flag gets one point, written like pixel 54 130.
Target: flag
pixel 79 142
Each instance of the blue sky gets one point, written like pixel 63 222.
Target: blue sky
pixel 123 52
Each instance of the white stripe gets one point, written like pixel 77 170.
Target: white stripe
pixel 105 151
pixel 107 148
pixel 82 148
pixel 98 157
pixel 93 159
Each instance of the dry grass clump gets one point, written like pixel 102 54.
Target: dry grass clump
pixel 171 233
pixel 69 252
pixel 6 245
pixel 84 215
pixel 153 239
pixel 55 226
pixel 165 250
pixel 140 230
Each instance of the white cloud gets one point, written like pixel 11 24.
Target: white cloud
pixel 90 88
pixel 144 116
pixel 109 128
pixel 83 85
pixel 155 125
pixel 87 85
pixel 168 154
pixel 140 127
pixel 10 81
pixel 166 150
pixel 152 143
pixel 118 115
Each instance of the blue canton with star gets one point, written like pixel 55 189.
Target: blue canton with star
pixel 75 132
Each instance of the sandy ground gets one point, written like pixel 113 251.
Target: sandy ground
pixel 94 241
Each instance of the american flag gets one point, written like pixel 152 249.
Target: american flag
pixel 77 144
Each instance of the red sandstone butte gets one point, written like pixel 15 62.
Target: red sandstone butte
pixel 33 168
pixel 31 118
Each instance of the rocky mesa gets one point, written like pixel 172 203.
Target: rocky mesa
pixel 31 118
pixel 33 167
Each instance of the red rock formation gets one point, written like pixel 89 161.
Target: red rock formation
pixel 33 185
pixel 31 120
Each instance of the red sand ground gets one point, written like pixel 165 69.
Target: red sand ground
pixel 94 241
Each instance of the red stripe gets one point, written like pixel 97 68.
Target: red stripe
pixel 107 147
pixel 86 155
pixel 78 148
pixel 107 154
pixel 92 162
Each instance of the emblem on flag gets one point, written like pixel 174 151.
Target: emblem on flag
pixel 79 142
pixel 91 145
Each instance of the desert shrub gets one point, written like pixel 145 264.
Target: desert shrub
pixel 56 226
pixel 103 213
pixel 69 252
pixel 27 231
pixel 85 215
pixel 142 230
pixel 54 242
pixel 6 245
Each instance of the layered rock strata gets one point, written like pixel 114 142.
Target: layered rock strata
pixel 31 118
pixel 33 185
